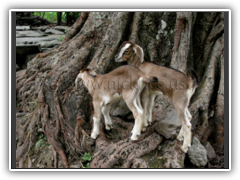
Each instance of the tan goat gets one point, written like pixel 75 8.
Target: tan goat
pixel 172 83
pixel 125 82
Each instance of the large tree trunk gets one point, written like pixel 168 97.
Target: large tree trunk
pixel 54 109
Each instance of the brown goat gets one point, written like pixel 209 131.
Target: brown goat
pixel 172 83
pixel 125 82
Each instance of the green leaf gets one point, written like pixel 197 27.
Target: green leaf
pixel 40 136
pixel 36 145
pixel 87 165
pixel 87 157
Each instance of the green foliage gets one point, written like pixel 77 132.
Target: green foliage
pixel 62 38
pixel 42 142
pixel 87 165
pixel 52 16
pixel 40 136
pixel 87 157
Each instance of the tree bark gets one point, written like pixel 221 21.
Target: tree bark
pixel 46 91
pixel 59 18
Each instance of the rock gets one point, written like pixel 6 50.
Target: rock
pixel 197 153
pixel 54 31
pixel 170 126
pixel 22 28
pixel 50 44
pixel 38 40
pixel 31 41
pixel 210 151
pixel 28 34
pixel 120 108
pixel 41 28
pixel 64 29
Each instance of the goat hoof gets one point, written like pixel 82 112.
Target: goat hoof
pixel 185 148
pixel 134 138
pixel 108 127
pixel 94 135
pixel 143 129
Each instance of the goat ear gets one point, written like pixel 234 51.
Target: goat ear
pixel 139 51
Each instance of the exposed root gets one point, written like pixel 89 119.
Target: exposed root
pixel 135 26
pixel 51 139
pixel 76 130
pixel 29 162
pixel 67 93
pixel 31 78
pixel 45 115
pixel 21 150
pixel 76 27
pixel 56 146
pixel 20 75
pixel 55 158
pixel 45 54
pixel 78 126
pixel 125 150
pixel 204 126
pixel 178 31
pixel 219 109
pixel 20 163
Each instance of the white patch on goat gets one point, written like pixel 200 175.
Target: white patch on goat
pixel 107 119
pixel 189 116
pixel 123 50
pixel 140 87
pixel 95 131
pixel 117 96
pixel 108 99
pixel 189 94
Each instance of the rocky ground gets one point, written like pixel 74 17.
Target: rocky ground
pixel 30 41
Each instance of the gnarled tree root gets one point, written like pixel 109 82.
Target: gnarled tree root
pixel 124 152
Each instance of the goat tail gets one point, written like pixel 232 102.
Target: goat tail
pixel 150 79
pixel 191 73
